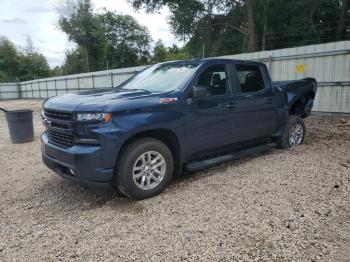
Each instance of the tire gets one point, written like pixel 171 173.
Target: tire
pixel 137 177
pixel 285 141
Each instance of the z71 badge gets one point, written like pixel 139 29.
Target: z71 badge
pixel 168 100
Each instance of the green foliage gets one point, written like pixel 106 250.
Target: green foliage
pixel 159 52
pixel 176 53
pixel 9 61
pixel 162 53
pixel 32 64
pixel 21 65
pixel 222 26
pixel 297 23
pixel 128 42
pixel 82 27
pixel 57 71
pixel 74 62
pixel 103 40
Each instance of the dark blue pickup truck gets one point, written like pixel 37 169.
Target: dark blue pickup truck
pixel 174 116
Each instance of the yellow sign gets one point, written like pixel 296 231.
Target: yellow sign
pixel 300 68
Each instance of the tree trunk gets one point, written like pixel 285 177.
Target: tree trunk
pixel 251 26
pixel 263 40
pixel 87 62
pixel 341 24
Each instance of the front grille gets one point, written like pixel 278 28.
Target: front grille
pixel 61 139
pixel 58 115
pixel 59 125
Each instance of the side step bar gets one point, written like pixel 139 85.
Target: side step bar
pixel 199 165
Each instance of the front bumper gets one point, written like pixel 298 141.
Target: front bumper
pixel 84 160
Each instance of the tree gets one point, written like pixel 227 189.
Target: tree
pixel 32 64
pixel 297 23
pixel 21 64
pixel 74 61
pixel 9 61
pixel 344 16
pixel 159 52
pixel 57 71
pixel 209 23
pixel 127 42
pixel 104 40
pixel 78 22
pixel 162 53
pixel 235 26
pixel 176 53
pixel 252 43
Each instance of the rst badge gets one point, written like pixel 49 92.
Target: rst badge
pixel 168 100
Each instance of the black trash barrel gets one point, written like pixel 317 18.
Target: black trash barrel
pixel 20 124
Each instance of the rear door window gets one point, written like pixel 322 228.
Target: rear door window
pixel 250 78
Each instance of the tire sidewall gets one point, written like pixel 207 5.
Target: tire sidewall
pixel 283 139
pixel 124 175
pixel 293 120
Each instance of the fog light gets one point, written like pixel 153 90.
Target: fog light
pixel 71 171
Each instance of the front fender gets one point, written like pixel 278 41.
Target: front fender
pixel 127 125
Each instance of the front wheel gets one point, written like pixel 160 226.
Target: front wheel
pixel 293 133
pixel 144 169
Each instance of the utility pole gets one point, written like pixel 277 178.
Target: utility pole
pixel 203 49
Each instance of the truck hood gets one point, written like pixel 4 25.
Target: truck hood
pixel 101 100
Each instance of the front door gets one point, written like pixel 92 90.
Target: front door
pixel 208 126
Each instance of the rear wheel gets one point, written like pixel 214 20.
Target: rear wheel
pixel 293 133
pixel 144 169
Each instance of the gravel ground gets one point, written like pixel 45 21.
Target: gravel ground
pixel 283 205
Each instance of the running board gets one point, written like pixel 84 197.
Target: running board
pixel 199 165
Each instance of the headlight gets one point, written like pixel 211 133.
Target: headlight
pixel 105 117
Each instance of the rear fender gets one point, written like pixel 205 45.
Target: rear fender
pixel 301 96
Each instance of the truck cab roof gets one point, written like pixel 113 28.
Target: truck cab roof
pixel 212 61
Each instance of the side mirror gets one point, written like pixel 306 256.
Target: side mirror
pixel 200 91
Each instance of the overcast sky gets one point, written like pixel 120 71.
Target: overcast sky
pixel 38 19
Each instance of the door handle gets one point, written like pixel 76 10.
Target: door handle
pixel 268 101
pixel 230 105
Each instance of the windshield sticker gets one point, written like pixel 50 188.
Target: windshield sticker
pixel 168 100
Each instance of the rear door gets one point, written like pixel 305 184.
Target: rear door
pixel 253 113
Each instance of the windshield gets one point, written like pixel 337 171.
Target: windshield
pixel 160 78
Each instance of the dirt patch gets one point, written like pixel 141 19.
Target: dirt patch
pixel 283 205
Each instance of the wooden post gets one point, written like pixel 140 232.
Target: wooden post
pixel 112 80
pixel 39 89
pixel 65 81
pixel 47 90
pixel 56 86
